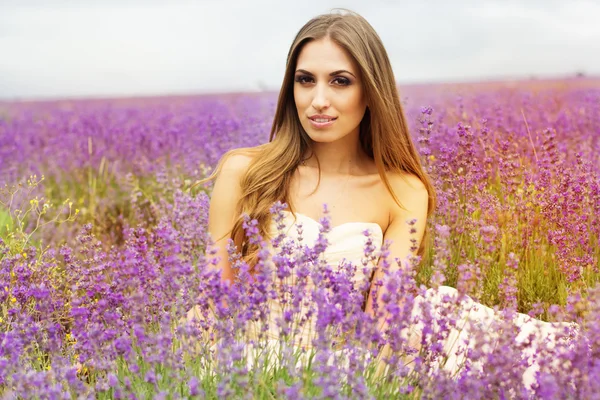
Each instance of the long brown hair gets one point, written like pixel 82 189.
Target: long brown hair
pixel 383 136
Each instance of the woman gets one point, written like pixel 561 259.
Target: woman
pixel 339 137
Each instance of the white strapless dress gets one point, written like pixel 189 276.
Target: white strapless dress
pixel 347 242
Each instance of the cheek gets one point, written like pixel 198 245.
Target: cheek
pixel 354 103
pixel 299 99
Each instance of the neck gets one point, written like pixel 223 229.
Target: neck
pixel 340 157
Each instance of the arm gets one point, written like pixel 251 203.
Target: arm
pixel 223 208
pixel 222 214
pixel 413 195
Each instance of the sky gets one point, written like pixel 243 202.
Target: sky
pixel 114 48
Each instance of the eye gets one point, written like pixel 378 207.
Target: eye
pixel 339 81
pixel 302 78
pixel 342 81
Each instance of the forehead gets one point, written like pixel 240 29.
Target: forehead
pixel 324 56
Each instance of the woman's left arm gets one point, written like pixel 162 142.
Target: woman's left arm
pixel 414 197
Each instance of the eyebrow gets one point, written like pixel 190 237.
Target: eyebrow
pixel 331 74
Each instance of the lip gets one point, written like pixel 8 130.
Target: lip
pixel 321 116
pixel 321 124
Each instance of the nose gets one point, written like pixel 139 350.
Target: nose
pixel 320 100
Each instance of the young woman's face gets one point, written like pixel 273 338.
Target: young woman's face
pixel 327 82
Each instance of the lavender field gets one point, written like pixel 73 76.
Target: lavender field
pixel 104 249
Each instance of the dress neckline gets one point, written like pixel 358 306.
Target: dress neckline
pixel 379 229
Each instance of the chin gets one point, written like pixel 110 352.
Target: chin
pixel 323 137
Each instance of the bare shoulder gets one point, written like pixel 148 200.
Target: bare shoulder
pixel 237 161
pixel 405 180
pixel 226 193
pixel 411 192
pixel 231 170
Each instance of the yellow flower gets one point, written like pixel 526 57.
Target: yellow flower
pixel 13 299
pixel 432 157
pixel 1 320
pixel 24 255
